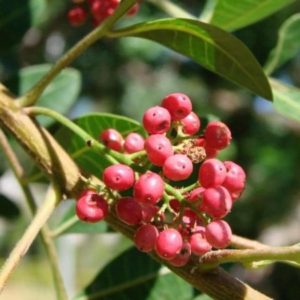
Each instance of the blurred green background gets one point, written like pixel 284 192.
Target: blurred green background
pixel 126 76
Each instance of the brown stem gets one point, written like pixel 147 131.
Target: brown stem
pixel 55 161
pixel 45 232
pixel 244 243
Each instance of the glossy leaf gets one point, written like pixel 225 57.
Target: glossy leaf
pixel 286 99
pixel 288 44
pixel 90 160
pixel 135 276
pixel 213 48
pixel 60 94
pixel 231 14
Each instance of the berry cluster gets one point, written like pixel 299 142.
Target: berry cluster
pixel 175 222
pixel 98 9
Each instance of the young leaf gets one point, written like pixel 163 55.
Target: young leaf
pixel 286 99
pixel 213 48
pixel 288 44
pixel 88 159
pixel 231 14
pixel 135 276
pixel 61 93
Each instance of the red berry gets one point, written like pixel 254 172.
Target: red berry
pixel 235 177
pixel 179 105
pixel 175 205
pixel 101 9
pixel 158 149
pixel 149 188
pixel 118 177
pixel 145 237
pixel 149 211
pixel 191 124
pixel 168 243
pixel 156 120
pixel 212 173
pixel 182 258
pixel 133 10
pixel 189 218
pixel 112 139
pixel 199 244
pixel 218 233
pixel 210 152
pixel 217 135
pixel 134 142
pixel 129 211
pixel 178 167
pixel 91 207
pixel 216 202
pixel 196 194
pixel 77 16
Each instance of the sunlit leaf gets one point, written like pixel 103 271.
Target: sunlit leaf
pixel 213 48
pixel 135 276
pixel 286 99
pixel 60 94
pixel 288 44
pixel 231 14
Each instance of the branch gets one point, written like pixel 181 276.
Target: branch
pixel 43 213
pixel 36 140
pixel 32 95
pixel 45 233
pixel 244 243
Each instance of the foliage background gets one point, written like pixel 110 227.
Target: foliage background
pixel 125 77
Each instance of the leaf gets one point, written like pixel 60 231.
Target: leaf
pixel 135 276
pixel 286 99
pixel 213 48
pixel 231 14
pixel 90 160
pixel 288 44
pixel 77 225
pixel 60 94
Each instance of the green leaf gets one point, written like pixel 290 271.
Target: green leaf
pixel 286 99
pixel 213 48
pixel 88 159
pixel 232 14
pixel 288 44
pixel 71 224
pixel 60 94
pixel 135 276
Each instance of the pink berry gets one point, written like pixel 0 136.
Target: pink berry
pixel 199 244
pixel 133 10
pixel 212 173
pixel 145 237
pixel 175 205
pixel 189 218
pixel 158 148
pixel 149 188
pixel 217 135
pixel 156 120
pixel 210 152
pixel 179 105
pixel 216 202
pixel 182 258
pixel 196 194
pixel 149 211
pixel 112 139
pixel 168 243
pixel 129 211
pixel 118 177
pixel 235 177
pixel 134 142
pixel 191 124
pixel 77 16
pixel 218 234
pixel 91 207
pixel 178 167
